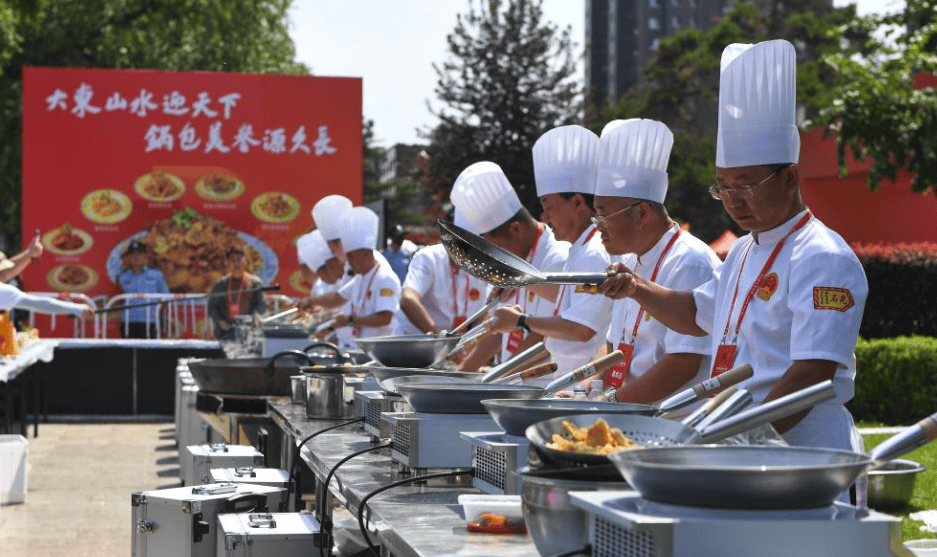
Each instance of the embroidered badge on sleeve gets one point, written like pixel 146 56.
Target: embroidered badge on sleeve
pixel 386 292
pixel 828 297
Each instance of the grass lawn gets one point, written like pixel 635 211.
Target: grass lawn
pixel 925 489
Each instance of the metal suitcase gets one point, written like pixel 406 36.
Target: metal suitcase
pixel 267 535
pixel 273 477
pixel 200 459
pixel 182 521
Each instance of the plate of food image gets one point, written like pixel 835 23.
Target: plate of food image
pixel 72 277
pixel 106 206
pixel 67 240
pixel 275 207
pixel 219 187
pixel 159 186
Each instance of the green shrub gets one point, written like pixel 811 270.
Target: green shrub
pixel 895 380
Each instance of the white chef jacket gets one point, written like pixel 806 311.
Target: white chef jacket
pixel 343 335
pixel 375 291
pixel 549 254
pixel 688 264
pixel 809 306
pixel 446 293
pixel 586 255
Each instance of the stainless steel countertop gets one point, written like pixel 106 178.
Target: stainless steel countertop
pixel 436 528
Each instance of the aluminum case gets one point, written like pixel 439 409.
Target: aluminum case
pixel 267 535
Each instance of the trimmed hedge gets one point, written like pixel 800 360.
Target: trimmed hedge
pixel 902 295
pixel 895 380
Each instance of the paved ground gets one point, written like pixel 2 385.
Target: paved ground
pixel 80 478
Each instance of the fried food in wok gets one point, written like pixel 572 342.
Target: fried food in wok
pixel 599 439
pixel 190 250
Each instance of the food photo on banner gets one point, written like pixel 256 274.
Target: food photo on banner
pixel 190 164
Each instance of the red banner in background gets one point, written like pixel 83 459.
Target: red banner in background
pixel 190 163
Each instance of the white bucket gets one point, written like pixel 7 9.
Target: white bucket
pixel 13 451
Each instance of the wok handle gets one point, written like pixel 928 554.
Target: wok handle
pixel 907 440
pixel 735 404
pixel 532 373
pixel 769 412
pixel 595 367
pixel 322 327
pixel 514 362
pixel 575 278
pixel 470 319
pixel 697 415
pixel 701 390
pixel 276 316
pixel 468 337
pixel 269 369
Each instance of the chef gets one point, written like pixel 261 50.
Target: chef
pixel 483 194
pixel 316 255
pixel 790 295
pixel 12 297
pixel 327 213
pixel 564 170
pixel 630 189
pixel 437 295
pixel 374 292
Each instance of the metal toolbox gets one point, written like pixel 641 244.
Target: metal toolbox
pixel 267 535
pixel 272 477
pixel 200 459
pixel 181 521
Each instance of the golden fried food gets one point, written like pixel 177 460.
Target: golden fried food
pixel 159 185
pixel 598 439
pixel 105 205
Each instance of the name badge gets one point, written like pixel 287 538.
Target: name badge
pixel 724 360
pixel 514 340
pixel 234 310
pixel 618 374
pixel 459 319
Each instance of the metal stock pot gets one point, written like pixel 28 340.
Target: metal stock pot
pixel 330 394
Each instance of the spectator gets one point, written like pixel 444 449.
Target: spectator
pixel 232 296
pixel 399 252
pixel 135 277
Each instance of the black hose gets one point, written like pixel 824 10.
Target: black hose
pixel 292 481
pixel 364 501
pixel 587 550
pixel 326 524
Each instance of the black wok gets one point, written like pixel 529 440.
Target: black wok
pixel 249 376
pixel 758 477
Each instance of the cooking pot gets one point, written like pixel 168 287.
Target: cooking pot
pixel 298 389
pixel 330 393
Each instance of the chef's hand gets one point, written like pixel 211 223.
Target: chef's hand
pixel 621 282
pixel 305 305
pixel 35 247
pixel 504 319
pixel 340 321
pixel 88 313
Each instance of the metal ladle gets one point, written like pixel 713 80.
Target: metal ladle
pixel 492 264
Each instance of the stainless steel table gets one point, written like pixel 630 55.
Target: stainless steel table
pixel 410 521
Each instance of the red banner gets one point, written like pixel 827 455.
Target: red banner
pixel 190 163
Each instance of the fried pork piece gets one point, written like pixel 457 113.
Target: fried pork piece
pixel 578 434
pixel 599 434
pixel 599 438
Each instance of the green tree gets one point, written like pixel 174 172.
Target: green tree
pixel 213 35
pixel 509 78
pixel 877 109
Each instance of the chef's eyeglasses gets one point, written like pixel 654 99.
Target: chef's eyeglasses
pixel 744 191
pixel 599 220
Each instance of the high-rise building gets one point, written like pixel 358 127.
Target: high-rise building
pixel 622 37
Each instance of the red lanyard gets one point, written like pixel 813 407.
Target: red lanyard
pixel 357 310
pixel 455 296
pixel 764 271
pixel 530 259
pixel 245 284
pixel 660 261
pixel 559 301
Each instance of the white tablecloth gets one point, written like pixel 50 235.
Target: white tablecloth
pixel 170 344
pixel 12 366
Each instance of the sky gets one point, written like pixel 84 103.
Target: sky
pixel 392 45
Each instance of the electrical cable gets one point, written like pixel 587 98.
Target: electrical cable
pixel 293 480
pixel 364 501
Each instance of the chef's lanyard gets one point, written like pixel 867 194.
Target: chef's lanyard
pixel 618 373
pixel 516 337
pixel 367 294
pixel 559 300
pixel 234 308
pixel 725 354
pixel 458 318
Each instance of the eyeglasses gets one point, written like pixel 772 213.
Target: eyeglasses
pixel 743 191
pixel 599 220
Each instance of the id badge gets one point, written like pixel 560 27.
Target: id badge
pixel 459 319
pixel 234 310
pixel 514 340
pixel 724 360
pixel 616 376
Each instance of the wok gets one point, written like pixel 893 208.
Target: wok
pixel 326 354
pixel 249 376
pixel 649 431
pixel 408 350
pixel 515 416
pixel 762 477
pixel 492 264
pixel 387 377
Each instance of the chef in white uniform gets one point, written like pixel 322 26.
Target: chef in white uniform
pixel 629 194
pixel 327 214
pixel 437 295
pixel 564 170
pixel 374 292
pixel 483 194
pixel 790 295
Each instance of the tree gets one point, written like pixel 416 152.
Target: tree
pixel 680 88
pixel 510 78
pixel 214 35
pixel 877 108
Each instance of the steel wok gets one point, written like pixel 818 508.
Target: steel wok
pixel 648 431
pixel 414 351
pixel 758 477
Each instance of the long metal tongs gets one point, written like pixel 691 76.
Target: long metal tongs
pixel 174 299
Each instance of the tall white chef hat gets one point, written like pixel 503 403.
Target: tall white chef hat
pixel 459 219
pixel 612 125
pixel 564 161
pixel 312 250
pixel 632 160
pixel 359 227
pixel 327 212
pixel 757 103
pixel 484 196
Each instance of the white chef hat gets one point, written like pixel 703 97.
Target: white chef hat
pixel 632 160
pixel 564 161
pixel 757 103
pixel 312 250
pixel 484 196
pixel 358 229
pixel 459 219
pixel 327 212
pixel 612 125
